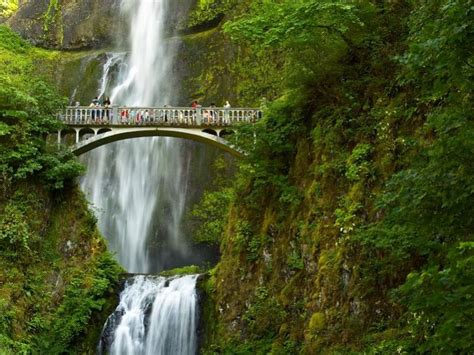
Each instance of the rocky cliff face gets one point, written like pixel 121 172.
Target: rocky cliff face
pixel 68 24
pixel 204 67
pixel 81 24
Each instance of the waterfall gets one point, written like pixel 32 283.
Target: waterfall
pixel 113 60
pixel 139 189
pixel 156 316
pixel 132 183
pixel 148 76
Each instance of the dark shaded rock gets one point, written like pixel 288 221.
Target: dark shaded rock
pixel 203 26
pixel 202 299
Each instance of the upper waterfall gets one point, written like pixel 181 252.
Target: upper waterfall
pixel 147 78
pixel 141 189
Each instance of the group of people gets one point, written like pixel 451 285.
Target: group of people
pixel 209 115
pixel 130 116
pixel 102 113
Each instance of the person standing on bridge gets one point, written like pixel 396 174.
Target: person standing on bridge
pixel 106 112
pixel 124 116
pixel 164 114
pixel 95 114
pixel 139 117
pixel 226 112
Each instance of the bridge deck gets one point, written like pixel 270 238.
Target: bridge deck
pixel 158 116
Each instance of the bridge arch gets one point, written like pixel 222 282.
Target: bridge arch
pixel 118 134
pixel 68 136
pixel 103 130
pixel 84 134
pixel 210 131
pixel 226 132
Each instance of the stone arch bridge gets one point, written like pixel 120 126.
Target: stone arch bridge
pixel 93 127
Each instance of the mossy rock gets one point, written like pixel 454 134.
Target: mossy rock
pixel 185 270
pixel 317 322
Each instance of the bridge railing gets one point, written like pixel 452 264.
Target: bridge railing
pixel 180 116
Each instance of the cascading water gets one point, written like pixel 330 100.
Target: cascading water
pixel 156 316
pixel 113 60
pixel 140 188
pixel 139 195
pixel 148 76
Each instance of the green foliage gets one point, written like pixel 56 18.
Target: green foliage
pixel 28 105
pixel 270 144
pixel 295 261
pixel 358 166
pixel 255 245
pixel 17 232
pixel 293 22
pixel 427 229
pixel 208 10
pixel 310 34
pixel 8 7
pixel 55 273
pixel 211 212
pixel 242 235
pixel 440 303
pixel 258 346
pixel 82 297
pixel 264 314
pixel 439 56
pixel 14 230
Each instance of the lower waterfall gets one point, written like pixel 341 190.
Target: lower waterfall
pixel 140 190
pixel 156 316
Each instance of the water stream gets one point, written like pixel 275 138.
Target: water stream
pixel 156 316
pixel 140 190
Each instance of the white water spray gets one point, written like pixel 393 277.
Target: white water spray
pixel 139 188
pixel 113 60
pixel 147 81
pixel 156 316
pixel 131 183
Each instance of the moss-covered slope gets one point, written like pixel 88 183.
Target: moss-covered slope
pixel 57 280
pixel 354 205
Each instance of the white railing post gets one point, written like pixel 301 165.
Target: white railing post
pixel 199 116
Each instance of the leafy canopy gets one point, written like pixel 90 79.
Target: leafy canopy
pixel 28 106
